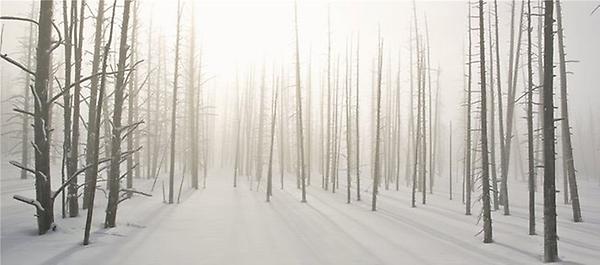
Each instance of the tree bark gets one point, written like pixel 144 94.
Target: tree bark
pixel 567 147
pixel 550 237
pixel 115 146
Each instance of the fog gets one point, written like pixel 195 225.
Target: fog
pixel 235 116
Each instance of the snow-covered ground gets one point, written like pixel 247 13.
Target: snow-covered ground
pixel 223 225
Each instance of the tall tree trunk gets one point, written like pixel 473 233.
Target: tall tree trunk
pixel 74 156
pixel 567 147
pixel 500 105
pixel 174 106
pixel 468 130
pixel 68 23
pixel 132 103
pixel 550 237
pixel 357 122
pixel 273 122
pixel 91 136
pixel 96 134
pixel 485 173
pixel 299 108
pixel 25 126
pixel 114 174
pixel 530 152
pixel 41 133
pixel 510 107
pixel 377 125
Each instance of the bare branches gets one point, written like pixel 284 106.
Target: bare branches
pixel 17 64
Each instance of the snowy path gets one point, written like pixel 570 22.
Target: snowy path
pixel 223 225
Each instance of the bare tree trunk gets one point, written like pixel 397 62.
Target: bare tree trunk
pixel 174 106
pixel 68 23
pixel 512 83
pixel 74 146
pixel 115 147
pixel 468 130
pixel 565 128
pixel 357 121
pixel 96 134
pixel 89 175
pixel 25 126
pixel 492 119
pixel 259 145
pixel 530 154
pixel 500 105
pixel 377 125
pixel 348 124
pixel 299 108
pixel 132 102
pixel 550 237
pixel 485 173
pixel 273 122
pixel 45 215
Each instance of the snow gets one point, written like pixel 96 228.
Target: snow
pixel 226 225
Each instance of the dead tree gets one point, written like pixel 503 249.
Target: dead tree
pixel 273 123
pixel 550 236
pixel 193 104
pixel 530 152
pixel 132 103
pixel 485 177
pixel 377 125
pixel 174 106
pixel 96 140
pixel 26 101
pixel 299 108
pixel 500 105
pixel 468 129
pixel 114 174
pixel 567 147
pixel 510 107
pixel 45 213
pixel 357 122
pixel 68 23
pixel 91 130
pixel 348 124
pixel 72 166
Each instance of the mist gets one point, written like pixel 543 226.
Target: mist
pixel 308 132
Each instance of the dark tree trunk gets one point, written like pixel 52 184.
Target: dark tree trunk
pixel 567 147
pixel 96 140
pixel 41 133
pixel 550 237
pixel 114 174
pixel 485 173
pixel 91 132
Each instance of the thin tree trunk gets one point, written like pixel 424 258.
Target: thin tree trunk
pixel 174 106
pixel 115 147
pixel 530 154
pixel 468 130
pixel 299 108
pixel 25 126
pixel 96 141
pixel 92 108
pixel 273 122
pixel 377 125
pixel 74 146
pixel 357 122
pixel 567 147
